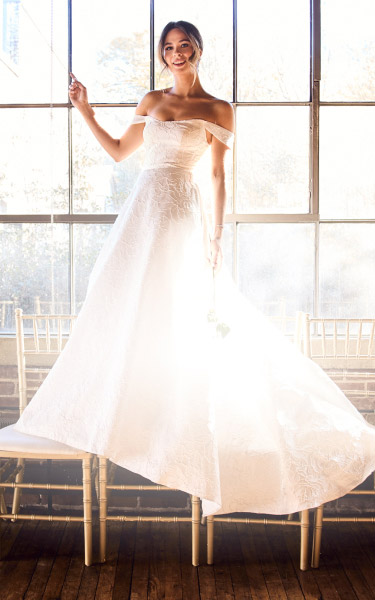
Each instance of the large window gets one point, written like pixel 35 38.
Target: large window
pixel 300 225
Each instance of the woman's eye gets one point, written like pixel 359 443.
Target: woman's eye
pixel 167 48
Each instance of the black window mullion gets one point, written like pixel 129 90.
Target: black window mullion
pixel 152 45
pixel 70 162
pixel 234 51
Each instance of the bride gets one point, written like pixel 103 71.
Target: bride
pixel 188 386
pixel 180 50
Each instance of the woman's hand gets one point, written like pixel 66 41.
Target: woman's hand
pixel 216 255
pixel 78 96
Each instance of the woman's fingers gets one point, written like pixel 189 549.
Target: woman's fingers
pixel 216 264
pixel 214 261
pixel 216 256
pixel 75 83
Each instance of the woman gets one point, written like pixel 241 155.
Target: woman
pixel 245 422
pixel 180 51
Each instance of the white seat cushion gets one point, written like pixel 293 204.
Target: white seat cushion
pixel 15 441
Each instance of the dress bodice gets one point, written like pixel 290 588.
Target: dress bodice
pixel 178 144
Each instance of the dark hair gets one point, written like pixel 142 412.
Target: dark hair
pixel 191 33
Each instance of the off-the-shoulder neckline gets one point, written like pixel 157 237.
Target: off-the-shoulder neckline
pixel 186 120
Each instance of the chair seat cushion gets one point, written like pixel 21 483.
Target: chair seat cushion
pixel 17 442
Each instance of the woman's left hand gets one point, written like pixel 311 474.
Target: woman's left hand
pixel 216 255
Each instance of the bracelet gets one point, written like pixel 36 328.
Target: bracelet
pixel 217 239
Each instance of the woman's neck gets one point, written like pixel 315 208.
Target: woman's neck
pixel 183 86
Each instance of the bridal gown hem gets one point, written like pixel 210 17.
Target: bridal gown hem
pixel 245 421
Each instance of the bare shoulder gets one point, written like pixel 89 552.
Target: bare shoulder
pixel 148 102
pixel 224 114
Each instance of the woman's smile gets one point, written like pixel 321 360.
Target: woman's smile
pixel 177 49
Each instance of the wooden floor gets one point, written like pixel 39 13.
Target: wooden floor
pixel 41 560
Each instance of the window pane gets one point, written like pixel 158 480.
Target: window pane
pixel 34 161
pixel 347 258
pixel 227 246
pixel 215 25
pixel 111 49
pixel 34 266
pixel 273 159
pixel 25 45
pixel 348 50
pixel 100 184
pixel 88 241
pixel 276 266
pixel 273 50
pixel 347 158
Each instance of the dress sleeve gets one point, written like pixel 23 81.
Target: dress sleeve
pixel 138 119
pixel 223 135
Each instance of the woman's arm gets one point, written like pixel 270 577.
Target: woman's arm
pixel 226 119
pixel 118 149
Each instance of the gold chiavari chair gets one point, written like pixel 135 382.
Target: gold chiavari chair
pixel 106 486
pixel 299 520
pixel 345 348
pixel 37 345
pixel 6 312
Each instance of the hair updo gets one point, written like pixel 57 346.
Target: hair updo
pixel 191 33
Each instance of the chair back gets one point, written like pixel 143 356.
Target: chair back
pixel 6 313
pixel 40 339
pixel 345 348
pixel 291 327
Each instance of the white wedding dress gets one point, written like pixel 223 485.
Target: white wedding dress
pixel 244 421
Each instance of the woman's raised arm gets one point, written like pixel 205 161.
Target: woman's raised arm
pixel 118 149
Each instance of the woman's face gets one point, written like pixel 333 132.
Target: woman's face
pixel 177 50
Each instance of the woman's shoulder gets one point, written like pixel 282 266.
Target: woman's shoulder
pixel 148 101
pixel 223 113
pixel 213 109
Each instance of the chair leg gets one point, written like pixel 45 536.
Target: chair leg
pixel 87 509
pixel 18 491
pixel 304 540
pixel 210 540
pixel 111 474
pixel 317 536
pixel 195 523
pixel 3 506
pixel 95 476
pixel 49 492
pixel 103 463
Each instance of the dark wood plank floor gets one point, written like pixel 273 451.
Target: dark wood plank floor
pixel 44 561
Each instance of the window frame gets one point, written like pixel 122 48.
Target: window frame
pixel 314 103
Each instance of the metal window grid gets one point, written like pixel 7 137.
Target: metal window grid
pixel 233 218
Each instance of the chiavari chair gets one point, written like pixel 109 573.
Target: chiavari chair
pixel 345 348
pixel 40 339
pixel 299 520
